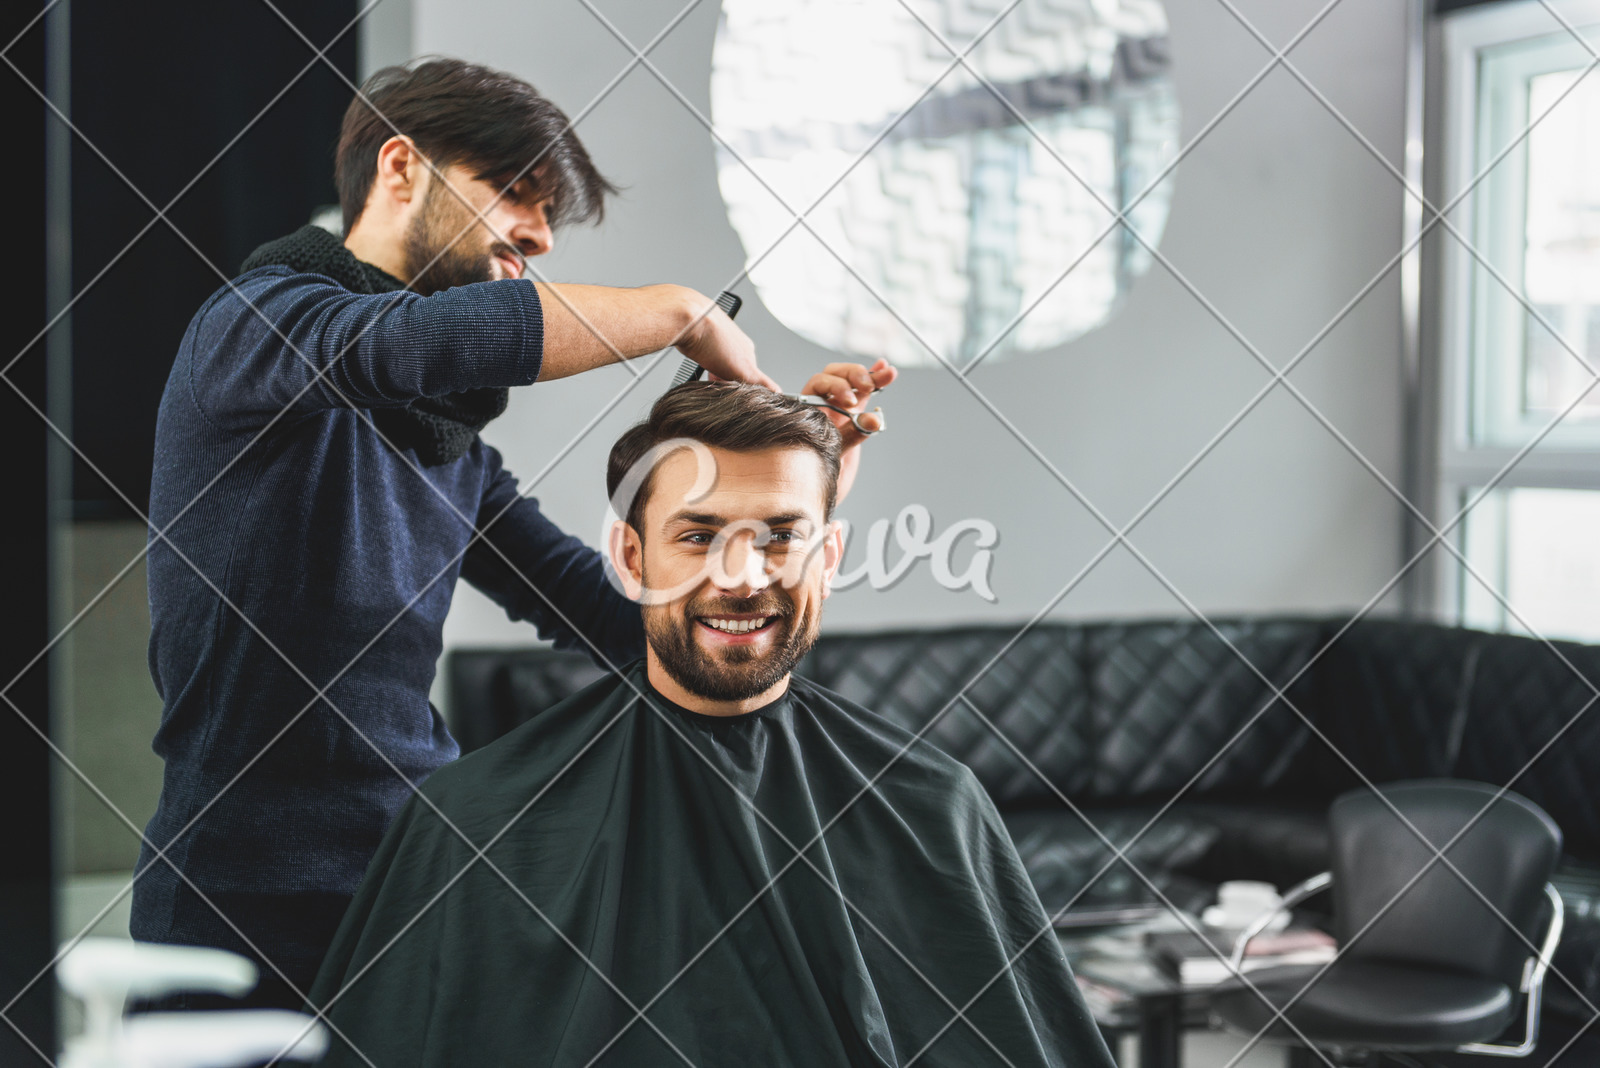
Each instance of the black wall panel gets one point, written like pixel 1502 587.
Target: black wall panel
pixel 26 926
pixel 160 90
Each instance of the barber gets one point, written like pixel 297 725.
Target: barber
pixel 320 486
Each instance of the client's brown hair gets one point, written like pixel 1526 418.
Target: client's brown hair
pixel 725 415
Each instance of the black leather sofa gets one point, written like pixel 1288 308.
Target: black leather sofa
pixel 1176 722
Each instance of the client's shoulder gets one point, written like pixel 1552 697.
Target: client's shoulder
pixel 903 754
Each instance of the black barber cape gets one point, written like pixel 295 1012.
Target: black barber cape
pixel 620 862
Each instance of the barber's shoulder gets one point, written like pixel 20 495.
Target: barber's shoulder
pixel 257 294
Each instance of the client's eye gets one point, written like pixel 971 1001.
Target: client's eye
pixel 698 537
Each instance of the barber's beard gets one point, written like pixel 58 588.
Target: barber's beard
pixel 734 673
pixel 441 246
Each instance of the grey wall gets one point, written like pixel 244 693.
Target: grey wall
pixel 1279 217
pixel 385 35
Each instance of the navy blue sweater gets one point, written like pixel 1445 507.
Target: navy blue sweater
pixel 312 556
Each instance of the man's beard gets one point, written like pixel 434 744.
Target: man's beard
pixel 440 245
pixel 739 672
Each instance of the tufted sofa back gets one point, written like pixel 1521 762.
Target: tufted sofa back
pixel 1409 700
pixel 1115 713
pixel 1100 712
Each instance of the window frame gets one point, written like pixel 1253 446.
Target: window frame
pixel 1462 467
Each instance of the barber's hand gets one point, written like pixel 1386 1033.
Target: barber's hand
pixel 851 386
pixel 715 343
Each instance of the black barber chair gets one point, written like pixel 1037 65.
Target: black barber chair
pixel 1437 970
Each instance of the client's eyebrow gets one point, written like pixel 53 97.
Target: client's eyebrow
pixel 706 519
pixel 699 519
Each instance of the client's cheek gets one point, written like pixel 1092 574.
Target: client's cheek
pixel 787 572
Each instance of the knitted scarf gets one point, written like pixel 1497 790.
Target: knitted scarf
pixel 440 429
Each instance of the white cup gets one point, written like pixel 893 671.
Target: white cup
pixel 1242 902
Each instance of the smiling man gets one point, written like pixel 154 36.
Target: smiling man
pixel 320 485
pixel 705 859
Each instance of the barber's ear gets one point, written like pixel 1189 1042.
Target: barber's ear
pixel 627 557
pixel 832 555
pixel 402 173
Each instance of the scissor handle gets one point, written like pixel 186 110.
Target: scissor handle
pixel 814 401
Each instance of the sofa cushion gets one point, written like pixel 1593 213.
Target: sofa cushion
pixel 1187 850
pixel 1073 863
pixel 1102 712
pixel 1187 706
pixel 1031 688
pixel 1535 726
pixel 492 691
pixel 1393 698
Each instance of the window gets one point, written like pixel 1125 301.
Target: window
pixel 1521 329
pixel 1541 549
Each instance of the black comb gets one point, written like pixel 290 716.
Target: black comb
pixel 688 371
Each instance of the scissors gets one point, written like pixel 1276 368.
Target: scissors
pixel 811 401
pixel 689 371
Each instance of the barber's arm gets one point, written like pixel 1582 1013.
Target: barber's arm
pixel 591 326
pixel 548 577
pixel 280 343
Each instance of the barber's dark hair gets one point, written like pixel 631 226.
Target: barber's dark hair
pixel 462 113
pixel 725 415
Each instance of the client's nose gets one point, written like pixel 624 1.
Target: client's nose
pixel 741 567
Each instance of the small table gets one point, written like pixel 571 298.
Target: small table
pixel 1127 993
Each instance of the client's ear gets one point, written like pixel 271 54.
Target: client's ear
pixel 627 557
pixel 832 555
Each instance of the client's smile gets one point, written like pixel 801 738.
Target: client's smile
pixel 745 624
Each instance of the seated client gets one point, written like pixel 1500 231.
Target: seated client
pixel 704 859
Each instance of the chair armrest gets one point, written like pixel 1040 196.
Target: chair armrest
pixel 1295 894
pixel 1532 985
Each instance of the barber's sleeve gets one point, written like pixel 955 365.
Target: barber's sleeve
pixel 291 342
pixel 548 577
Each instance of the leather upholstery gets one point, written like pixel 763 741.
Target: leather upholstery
pixel 1499 851
pixel 1532 703
pixel 1033 689
pixel 1073 865
pixel 494 690
pixel 1427 963
pixel 1391 1006
pixel 1123 716
pixel 1102 713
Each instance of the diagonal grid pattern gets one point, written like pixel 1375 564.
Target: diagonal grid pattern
pixel 1123 222
pixel 321 694
pixel 1232 330
pixel 160 535
pixel 1278 376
